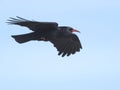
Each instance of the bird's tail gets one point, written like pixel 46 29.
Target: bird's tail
pixel 24 37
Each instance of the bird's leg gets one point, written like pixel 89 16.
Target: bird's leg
pixel 43 38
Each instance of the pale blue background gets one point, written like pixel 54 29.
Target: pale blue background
pixel 36 65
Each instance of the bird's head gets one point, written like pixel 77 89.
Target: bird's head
pixel 69 29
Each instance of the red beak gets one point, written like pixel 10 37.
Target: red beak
pixel 74 30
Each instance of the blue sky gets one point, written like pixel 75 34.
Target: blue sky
pixel 36 65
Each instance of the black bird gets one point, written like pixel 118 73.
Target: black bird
pixel 62 37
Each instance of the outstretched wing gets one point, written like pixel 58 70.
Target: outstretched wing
pixel 33 25
pixel 67 46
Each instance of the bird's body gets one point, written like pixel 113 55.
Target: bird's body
pixel 61 36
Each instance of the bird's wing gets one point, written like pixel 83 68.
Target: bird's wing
pixel 33 25
pixel 67 46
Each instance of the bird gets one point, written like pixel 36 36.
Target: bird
pixel 62 37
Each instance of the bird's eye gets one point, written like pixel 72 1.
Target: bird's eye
pixel 71 29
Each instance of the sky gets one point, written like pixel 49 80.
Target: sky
pixel 36 65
